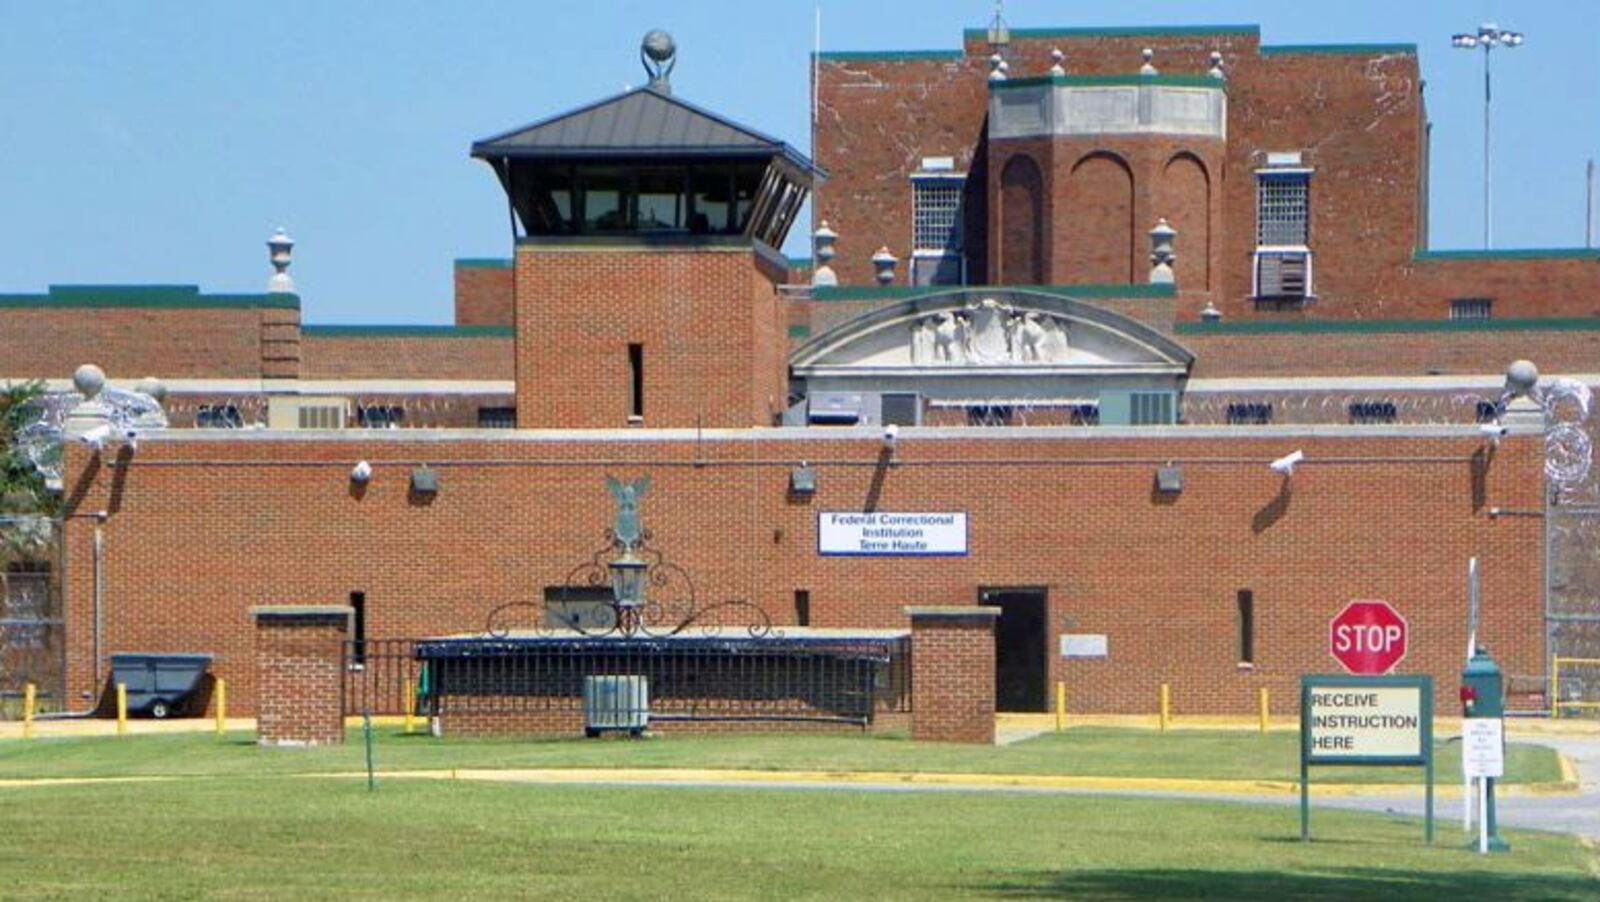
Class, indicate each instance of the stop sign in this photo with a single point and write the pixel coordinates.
(1368, 637)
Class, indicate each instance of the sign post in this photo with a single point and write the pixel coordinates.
(1483, 757)
(1373, 721)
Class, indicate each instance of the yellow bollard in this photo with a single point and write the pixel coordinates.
(29, 693)
(1264, 709)
(1555, 686)
(222, 705)
(1061, 706)
(122, 709)
(411, 708)
(1166, 706)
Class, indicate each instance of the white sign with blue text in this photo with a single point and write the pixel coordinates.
(889, 534)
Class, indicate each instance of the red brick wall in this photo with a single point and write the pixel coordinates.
(952, 676)
(132, 342)
(200, 531)
(299, 682)
(484, 295)
(709, 319)
(410, 357)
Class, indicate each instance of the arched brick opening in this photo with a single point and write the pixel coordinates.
(1021, 222)
(1100, 236)
(1186, 204)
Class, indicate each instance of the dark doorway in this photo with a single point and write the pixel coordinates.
(1021, 645)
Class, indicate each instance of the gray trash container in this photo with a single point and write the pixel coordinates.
(159, 685)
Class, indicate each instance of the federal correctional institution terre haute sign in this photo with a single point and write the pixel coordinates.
(889, 534)
(1374, 721)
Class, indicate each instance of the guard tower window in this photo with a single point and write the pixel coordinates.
(635, 382)
(1471, 308)
(1246, 601)
(937, 242)
(1283, 234)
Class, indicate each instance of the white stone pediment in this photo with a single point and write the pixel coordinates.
(990, 333)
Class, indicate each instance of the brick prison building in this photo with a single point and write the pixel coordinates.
(1074, 292)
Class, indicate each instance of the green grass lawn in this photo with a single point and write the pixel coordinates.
(252, 838)
(1086, 751)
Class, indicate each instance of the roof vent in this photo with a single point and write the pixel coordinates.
(659, 54)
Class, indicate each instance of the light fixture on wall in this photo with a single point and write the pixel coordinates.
(803, 480)
(424, 481)
(361, 473)
(1169, 479)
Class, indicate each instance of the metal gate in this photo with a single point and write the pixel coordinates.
(32, 642)
(1572, 542)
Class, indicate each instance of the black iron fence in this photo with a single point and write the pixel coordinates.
(622, 683)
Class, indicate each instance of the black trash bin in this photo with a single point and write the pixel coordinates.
(159, 685)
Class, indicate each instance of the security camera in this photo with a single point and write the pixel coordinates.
(890, 433)
(97, 437)
(1286, 464)
(130, 437)
(361, 472)
(1494, 431)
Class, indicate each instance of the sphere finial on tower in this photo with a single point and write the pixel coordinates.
(658, 53)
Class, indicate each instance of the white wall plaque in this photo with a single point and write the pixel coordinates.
(890, 534)
(1083, 645)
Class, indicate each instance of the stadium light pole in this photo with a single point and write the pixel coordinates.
(1488, 36)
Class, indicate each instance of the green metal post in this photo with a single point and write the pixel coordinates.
(1305, 757)
(366, 729)
(1427, 747)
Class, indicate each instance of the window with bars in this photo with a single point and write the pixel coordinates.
(1249, 413)
(1471, 308)
(1283, 209)
(936, 212)
(218, 416)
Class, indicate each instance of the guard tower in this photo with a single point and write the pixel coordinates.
(646, 269)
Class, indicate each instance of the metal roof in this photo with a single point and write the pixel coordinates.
(639, 123)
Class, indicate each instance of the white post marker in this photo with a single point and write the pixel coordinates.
(1483, 755)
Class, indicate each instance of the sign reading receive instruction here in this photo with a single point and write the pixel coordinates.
(1483, 747)
(1352, 720)
(889, 534)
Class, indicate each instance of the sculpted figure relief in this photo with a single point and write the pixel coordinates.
(988, 332)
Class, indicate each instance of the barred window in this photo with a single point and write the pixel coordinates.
(1250, 413)
(1471, 308)
(380, 416)
(1372, 412)
(1283, 209)
(936, 212)
(218, 416)
(497, 418)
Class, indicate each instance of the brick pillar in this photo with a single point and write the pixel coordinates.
(952, 673)
(299, 678)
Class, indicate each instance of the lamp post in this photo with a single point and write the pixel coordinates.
(1488, 36)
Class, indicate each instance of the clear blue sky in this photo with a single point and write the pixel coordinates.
(162, 141)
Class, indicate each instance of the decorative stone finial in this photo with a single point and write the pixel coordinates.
(280, 246)
(1216, 66)
(89, 380)
(153, 388)
(1162, 254)
(1210, 314)
(997, 68)
(1056, 56)
(822, 251)
(659, 54)
(1149, 67)
(1521, 377)
(883, 263)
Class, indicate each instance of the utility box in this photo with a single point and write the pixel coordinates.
(1483, 687)
(615, 703)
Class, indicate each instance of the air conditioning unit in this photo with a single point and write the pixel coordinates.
(864, 408)
(289, 412)
(615, 703)
(1283, 274)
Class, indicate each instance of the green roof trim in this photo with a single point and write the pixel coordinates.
(904, 292)
(886, 56)
(1393, 326)
(799, 262)
(1524, 253)
(800, 331)
(1338, 49)
(408, 331)
(1179, 81)
(1127, 31)
(483, 262)
(156, 297)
